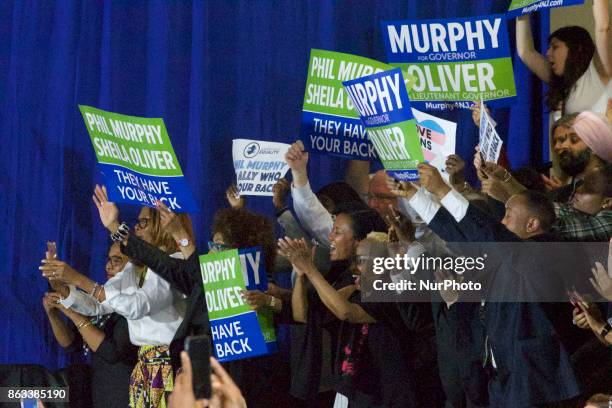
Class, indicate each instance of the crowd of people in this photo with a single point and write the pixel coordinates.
(344, 349)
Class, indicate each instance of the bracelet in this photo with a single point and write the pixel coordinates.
(507, 176)
(85, 325)
(121, 234)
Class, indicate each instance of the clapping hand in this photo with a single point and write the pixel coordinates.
(602, 280)
(298, 253)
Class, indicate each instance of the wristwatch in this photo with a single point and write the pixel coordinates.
(183, 242)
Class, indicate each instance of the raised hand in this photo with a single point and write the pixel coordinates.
(298, 253)
(475, 108)
(455, 167)
(59, 271)
(234, 198)
(297, 159)
(225, 392)
(602, 280)
(169, 220)
(182, 394)
(280, 191)
(432, 181)
(109, 214)
(400, 227)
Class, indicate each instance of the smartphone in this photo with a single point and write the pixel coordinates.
(198, 348)
(52, 249)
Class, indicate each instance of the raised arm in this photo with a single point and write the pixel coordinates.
(311, 213)
(526, 51)
(601, 14)
(61, 331)
(182, 274)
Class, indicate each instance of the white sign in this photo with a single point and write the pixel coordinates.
(438, 138)
(489, 141)
(258, 165)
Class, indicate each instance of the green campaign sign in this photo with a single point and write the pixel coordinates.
(330, 124)
(238, 332)
(136, 157)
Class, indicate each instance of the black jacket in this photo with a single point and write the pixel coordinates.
(533, 364)
(184, 276)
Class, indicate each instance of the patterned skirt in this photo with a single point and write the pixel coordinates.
(152, 379)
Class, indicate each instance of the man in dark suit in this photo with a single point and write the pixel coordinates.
(528, 363)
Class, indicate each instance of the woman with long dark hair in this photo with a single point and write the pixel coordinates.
(576, 68)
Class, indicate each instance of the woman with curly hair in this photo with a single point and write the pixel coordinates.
(576, 69)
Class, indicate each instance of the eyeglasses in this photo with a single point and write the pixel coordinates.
(115, 261)
(142, 223)
(217, 247)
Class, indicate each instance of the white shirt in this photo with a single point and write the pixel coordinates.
(589, 93)
(153, 312)
(318, 222)
(426, 207)
(311, 213)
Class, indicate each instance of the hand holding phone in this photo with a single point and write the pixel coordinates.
(51, 250)
(198, 348)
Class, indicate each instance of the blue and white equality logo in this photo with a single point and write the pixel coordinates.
(251, 150)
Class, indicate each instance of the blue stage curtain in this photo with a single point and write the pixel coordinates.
(214, 70)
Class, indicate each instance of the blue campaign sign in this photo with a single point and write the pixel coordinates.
(446, 40)
(336, 136)
(455, 59)
(238, 337)
(384, 108)
(252, 261)
(127, 186)
(380, 98)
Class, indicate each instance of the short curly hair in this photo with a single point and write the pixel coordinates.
(241, 228)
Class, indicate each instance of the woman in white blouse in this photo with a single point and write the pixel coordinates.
(153, 310)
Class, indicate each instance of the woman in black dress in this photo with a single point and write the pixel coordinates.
(107, 337)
